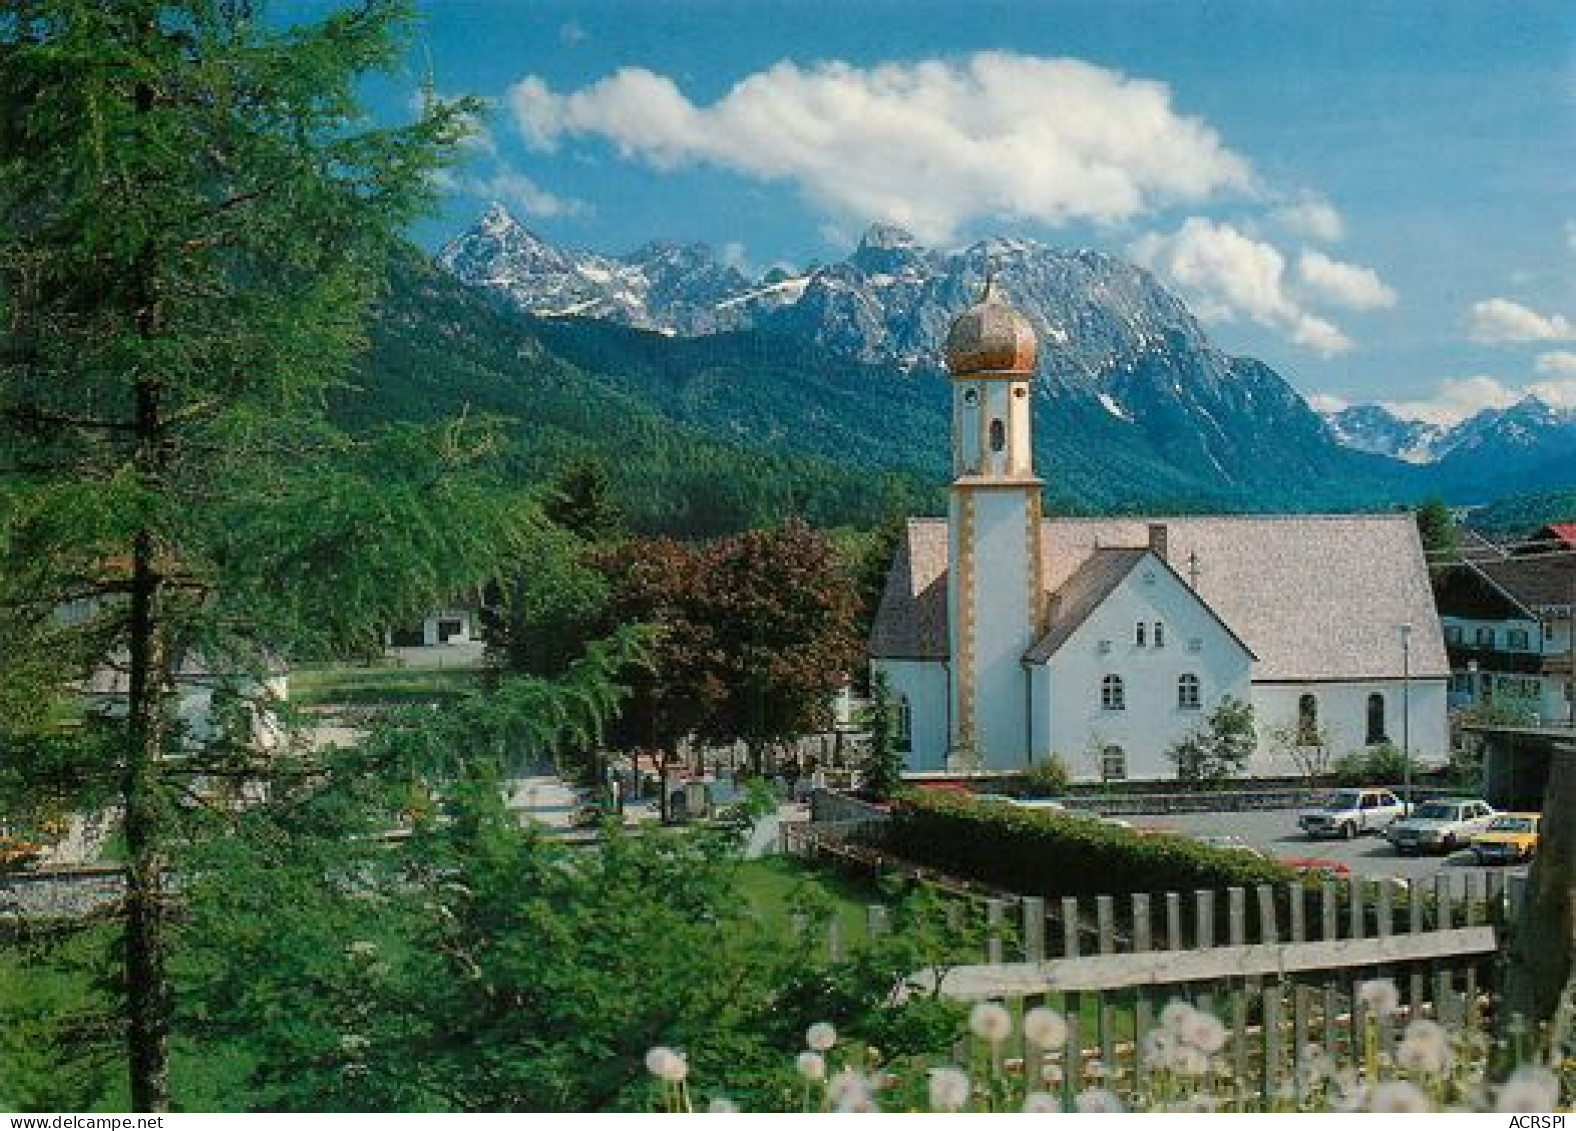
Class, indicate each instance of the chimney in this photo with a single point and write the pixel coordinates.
(1157, 539)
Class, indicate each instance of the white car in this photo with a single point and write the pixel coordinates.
(1352, 812)
(1442, 825)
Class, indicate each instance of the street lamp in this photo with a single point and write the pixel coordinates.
(1406, 714)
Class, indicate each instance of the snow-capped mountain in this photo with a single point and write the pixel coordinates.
(1128, 369)
(1374, 428)
(662, 286)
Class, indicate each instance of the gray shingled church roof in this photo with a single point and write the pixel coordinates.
(1315, 597)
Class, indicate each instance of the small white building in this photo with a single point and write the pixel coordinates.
(1007, 636)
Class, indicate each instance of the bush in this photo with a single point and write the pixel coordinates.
(1378, 765)
(1034, 852)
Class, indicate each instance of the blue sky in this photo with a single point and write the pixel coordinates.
(1376, 199)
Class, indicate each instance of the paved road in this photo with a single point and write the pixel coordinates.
(1275, 832)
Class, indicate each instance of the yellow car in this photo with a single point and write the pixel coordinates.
(1509, 838)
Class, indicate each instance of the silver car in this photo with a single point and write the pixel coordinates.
(1440, 826)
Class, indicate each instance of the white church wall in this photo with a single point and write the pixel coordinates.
(1002, 626)
(1342, 713)
(1193, 643)
(923, 685)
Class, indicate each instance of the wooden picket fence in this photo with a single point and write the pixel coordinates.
(1279, 964)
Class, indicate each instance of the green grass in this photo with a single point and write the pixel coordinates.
(778, 886)
(380, 684)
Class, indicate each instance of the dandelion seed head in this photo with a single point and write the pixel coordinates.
(1099, 1101)
(990, 1021)
(1204, 1031)
(949, 1089)
(1379, 995)
(820, 1037)
(1425, 1048)
(666, 1065)
(1045, 1027)
(1040, 1102)
(1530, 1088)
(811, 1065)
(1397, 1096)
(1174, 1016)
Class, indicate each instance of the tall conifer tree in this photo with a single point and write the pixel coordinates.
(194, 216)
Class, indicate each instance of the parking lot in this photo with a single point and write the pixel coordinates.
(1275, 832)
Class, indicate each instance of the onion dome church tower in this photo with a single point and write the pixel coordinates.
(994, 584)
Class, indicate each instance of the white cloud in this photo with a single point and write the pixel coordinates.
(1498, 320)
(512, 188)
(734, 255)
(930, 145)
(1456, 399)
(1560, 393)
(1226, 274)
(1327, 402)
(1558, 363)
(1312, 217)
(1346, 284)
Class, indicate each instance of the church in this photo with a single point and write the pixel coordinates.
(1008, 636)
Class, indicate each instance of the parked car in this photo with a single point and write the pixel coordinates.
(1441, 825)
(1509, 838)
(1352, 812)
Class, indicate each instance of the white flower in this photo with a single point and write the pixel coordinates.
(1037, 1103)
(1379, 996)
(362, 948)
(1190, 1061)
(722, 1105)
(1159, 1047)
(1530, 1088)
(1397, 1096)
(1204, 1031)
(990, 1022)
(1045, 1027)
(851, 1091)
(1425, 1048)
(820, 1037)
(949, 1089)
(1099, 1101)
(1174, 1016)
(665, 1064)
(811, 1065)
(1095, 1068)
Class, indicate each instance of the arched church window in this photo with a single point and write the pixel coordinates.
(904, 739)
(1308, 720)
(1140, 634)
(998, 435)
(1376, 727)
(1113, 764)
(1113, 695)
(1188, 696)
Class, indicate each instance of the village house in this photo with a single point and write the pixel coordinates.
(1008, 636)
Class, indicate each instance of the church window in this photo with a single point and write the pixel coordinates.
(1188, 697)
(1113, 695)
(998, 435)
(1160, 635)
(971, 396)
(1020, 392)
(1139, 631)
(1113, 764)
(1376, 727)
(1308, 721)
(904, 739)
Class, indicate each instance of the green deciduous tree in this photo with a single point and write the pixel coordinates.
(1219, 748)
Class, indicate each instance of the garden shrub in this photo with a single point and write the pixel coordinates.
(1035, 852)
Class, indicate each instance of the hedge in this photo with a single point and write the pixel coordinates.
(1036, 852)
